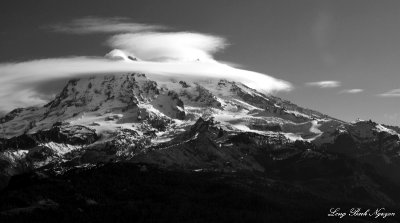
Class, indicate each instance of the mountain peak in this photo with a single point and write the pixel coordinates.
(117, 54)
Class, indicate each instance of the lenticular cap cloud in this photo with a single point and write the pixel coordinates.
(158, 46)
(179, 55)
(27, 76)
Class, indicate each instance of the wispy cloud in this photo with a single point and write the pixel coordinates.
(352, 91)
(391, 93)
(90, 25)
(158, 46)
(325, 84)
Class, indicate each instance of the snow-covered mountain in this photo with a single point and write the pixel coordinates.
(205, 125)
(106, 138)
(128, 101)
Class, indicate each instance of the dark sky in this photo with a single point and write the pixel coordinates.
(355, 42)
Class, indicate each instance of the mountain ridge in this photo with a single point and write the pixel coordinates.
(198, 126)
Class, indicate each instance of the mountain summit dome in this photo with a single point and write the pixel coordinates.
(117, 54)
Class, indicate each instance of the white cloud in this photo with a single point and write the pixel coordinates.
(156, 46)
(391, 93)
(146, 41)
(325, 84)
(21, 80)
(90, 25)
(352, 91)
